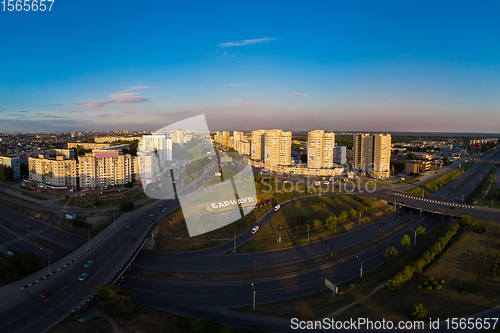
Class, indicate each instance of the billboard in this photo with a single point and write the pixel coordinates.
(70, 216)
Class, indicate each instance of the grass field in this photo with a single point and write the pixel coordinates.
(468, 259)
(486, 191)
(44, 215)
(20, 199)
(436, 183)
(291, 222)
(90, 201)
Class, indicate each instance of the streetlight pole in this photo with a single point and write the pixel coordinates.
(114, 219)
(383, 227)
(253, 288)
(308, 232)
(361, 268)
(415, 231)
(234, 249)
(48, 257)
(89, 237)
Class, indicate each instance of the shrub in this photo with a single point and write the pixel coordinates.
(391, 253)
(442, 281)
(406, 242)
(480, 228)
(421, 233)
(438, 287)
(343, 215)
(352, 213)
(425, 283)
(465, 220)
(419, 287)
(369, 206)
(419, 312)
(429, 287)
(431, 279)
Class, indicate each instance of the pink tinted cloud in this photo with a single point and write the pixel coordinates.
(298, 95)
(124, 98)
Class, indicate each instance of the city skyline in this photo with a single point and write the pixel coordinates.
(337, 67)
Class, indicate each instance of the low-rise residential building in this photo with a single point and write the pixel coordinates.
(415, 167)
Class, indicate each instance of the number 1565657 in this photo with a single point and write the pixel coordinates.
(27, 5)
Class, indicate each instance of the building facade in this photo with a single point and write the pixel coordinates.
(14, 162)
(55, 173)
(278, 148)
(258, 143)
(101, 169)
(340, 155)
(372, 154)
(320, 149)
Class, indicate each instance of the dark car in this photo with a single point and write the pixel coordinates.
(129, 226)
(133, 239)
(46, 293)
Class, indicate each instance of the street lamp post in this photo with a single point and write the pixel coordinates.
(89, 237)
(308, 232)
(253, 288)
(234, 248)
(383, 227)
(361, 268)
(415, 231)
(48, 257)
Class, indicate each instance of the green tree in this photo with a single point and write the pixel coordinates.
(419, 311)
(446, 160)
(331, 223)
(343, 215)
(352, 212)
(421, 233)
(127, 206)
(129, 185)
(406, 242)
(115, 301)
(391, 253)
(465, 220)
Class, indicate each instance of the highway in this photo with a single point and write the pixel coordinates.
(68, 292)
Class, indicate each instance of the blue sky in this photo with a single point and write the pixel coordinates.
(350, 65)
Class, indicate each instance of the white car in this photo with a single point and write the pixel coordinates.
(276, 208)
(255, 229)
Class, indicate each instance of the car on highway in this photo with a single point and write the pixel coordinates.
(160, 205)
(10, 253)
(276, 208)
(164, 209)
(27, 226)
(255, 229)
(133, 239)
(151, 215)
(83, 276)
(46, 293)
(88, 264)
(128, 226)
(151, 219)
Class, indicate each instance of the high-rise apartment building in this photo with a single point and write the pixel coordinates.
(320, 149)
(339, 155)
(225, 138)
(53, 172)
(372, 154)
(278, 148)
(258, 141)
(157, 143)
(104, 168)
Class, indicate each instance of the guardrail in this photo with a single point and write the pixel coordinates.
(117, 275)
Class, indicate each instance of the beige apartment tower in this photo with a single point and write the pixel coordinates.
(56, 172)
(258, 138)
(372, 154)
(278, 148)
(103, 168)
(320, 149)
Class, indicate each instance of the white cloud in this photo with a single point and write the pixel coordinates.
(125, 98)
(248, 42)
(135, 88)
(298, 94)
